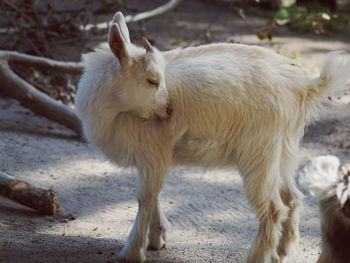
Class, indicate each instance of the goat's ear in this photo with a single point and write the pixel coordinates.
(118, 45)
(119, 19)
(147, 45)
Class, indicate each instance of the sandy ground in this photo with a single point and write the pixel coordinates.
(211, 219)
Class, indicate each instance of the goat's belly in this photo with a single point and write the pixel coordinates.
(203, 152)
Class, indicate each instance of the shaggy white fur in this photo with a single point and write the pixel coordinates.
(321, 176)
(325, 179)
(232, 105)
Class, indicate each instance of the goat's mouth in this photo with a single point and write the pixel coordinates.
(164, 112)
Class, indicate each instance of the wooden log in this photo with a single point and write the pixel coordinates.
(42, 200)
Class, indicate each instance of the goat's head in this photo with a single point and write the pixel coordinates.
(141, 82)
(122, 77)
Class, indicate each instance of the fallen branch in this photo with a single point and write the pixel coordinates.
(41, 200)
(14, 86)
(138, 17)
(41, 62)
(152, 13)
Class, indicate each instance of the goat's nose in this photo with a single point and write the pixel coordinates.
(163, 112)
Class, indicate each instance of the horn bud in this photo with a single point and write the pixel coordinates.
(147, 45)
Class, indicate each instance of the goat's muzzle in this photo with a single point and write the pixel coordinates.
(164, 112)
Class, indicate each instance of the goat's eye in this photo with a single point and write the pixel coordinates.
(153, 82)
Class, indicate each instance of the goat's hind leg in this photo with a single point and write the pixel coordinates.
(262, 188)
(291, 198)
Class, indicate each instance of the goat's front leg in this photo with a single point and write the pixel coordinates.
(157, 229)
(150, 184)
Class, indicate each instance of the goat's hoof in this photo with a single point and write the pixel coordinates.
(157, 245)
(157, 241)
(276, 260)
(131, 255)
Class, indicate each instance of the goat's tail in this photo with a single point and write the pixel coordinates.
(334, 76)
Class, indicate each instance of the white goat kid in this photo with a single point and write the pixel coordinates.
(232, 105)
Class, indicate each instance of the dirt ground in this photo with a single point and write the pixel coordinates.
(211, 219)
